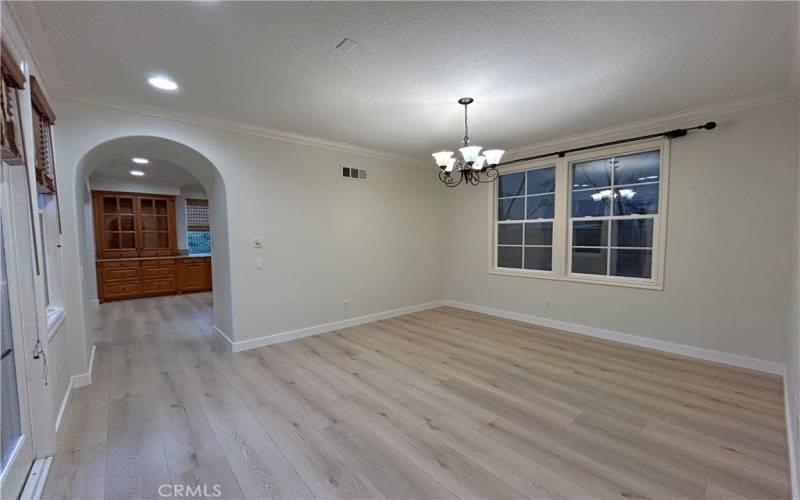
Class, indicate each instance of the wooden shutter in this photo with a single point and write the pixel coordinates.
(197, 215)
(12, 80)
(43, 119)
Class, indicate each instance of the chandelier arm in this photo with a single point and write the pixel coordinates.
(491, 176)
(449, 180)
(455, 184)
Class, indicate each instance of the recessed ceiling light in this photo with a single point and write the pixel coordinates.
(137, 173)
(140, 161)
(163, 83)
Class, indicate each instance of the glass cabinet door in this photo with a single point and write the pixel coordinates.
(134, 225)
(118, 218)
(156, 222)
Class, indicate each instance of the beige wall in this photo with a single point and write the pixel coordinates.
(326, 240)
(792, 376)
(730, 239)
(792, 379)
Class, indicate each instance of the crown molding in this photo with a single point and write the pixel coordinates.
(35, 43)
(654, 124)
(243, 128)
(649, 125)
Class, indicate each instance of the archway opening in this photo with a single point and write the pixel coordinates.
(173, 170)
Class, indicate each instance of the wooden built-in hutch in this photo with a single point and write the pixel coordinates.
(136, 247)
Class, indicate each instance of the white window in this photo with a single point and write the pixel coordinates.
(48, 215)
(596, 217)
(525, 214)
(50, 257)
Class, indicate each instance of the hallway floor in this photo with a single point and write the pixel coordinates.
(438, 404)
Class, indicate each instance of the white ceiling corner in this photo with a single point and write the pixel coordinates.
(26, 16)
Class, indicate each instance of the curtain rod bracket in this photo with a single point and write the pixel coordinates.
(678, 132)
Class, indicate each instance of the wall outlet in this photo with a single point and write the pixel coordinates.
(259, 264)
(346, 305)
(548, 304)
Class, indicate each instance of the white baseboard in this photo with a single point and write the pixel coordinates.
(85, 379)
(75, 382)
(275, 338)
(792, 437)
(659, 345)
(64, 403)
(228, 340)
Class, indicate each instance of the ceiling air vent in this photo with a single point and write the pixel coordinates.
(354, 173)
(346, 45)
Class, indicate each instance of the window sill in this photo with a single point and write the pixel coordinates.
(545, 275)
(55, 317)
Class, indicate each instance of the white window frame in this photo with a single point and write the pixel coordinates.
(538, 272)
(562, 223)
(50, 249)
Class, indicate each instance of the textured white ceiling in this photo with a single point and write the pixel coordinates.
(158, 171)
(538, 71)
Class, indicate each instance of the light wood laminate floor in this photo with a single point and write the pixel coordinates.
(439, 404)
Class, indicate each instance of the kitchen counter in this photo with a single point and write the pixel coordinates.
(194, 256)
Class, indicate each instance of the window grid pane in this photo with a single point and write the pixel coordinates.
(524, 226)
(619, 215)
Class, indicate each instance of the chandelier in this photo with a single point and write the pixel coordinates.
(474, 167)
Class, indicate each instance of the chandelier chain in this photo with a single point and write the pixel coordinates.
(466, 126)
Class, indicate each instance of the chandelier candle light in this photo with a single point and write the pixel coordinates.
(474, 167)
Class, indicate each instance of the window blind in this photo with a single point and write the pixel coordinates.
(43, 119)
(197, 215)
(12, 79)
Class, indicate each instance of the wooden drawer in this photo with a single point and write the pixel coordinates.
(150, 270)
(120, 263)
(122, 290)
(120, 274)
(163, 285)
(194, 260)
(116, 254)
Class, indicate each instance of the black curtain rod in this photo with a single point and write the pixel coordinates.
(669, 134)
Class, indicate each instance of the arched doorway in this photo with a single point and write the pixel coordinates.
(164, 154)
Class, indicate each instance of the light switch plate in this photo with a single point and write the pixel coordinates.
(257, 242)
